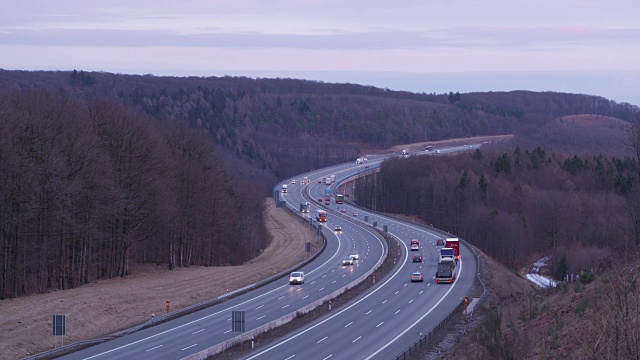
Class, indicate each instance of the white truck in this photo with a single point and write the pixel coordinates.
(446, 255)
(284, 188)
(333, 178)
(361, 160)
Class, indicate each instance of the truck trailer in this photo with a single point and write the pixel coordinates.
(327, 194)
(453, 243)
(304, 207)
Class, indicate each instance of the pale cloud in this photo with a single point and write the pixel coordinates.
(204, 37)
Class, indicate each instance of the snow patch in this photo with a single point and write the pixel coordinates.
(538, 279)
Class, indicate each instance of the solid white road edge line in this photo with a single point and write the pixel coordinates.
(400, 268)
(417, 321)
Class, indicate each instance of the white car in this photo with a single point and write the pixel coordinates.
(354, 256)
(347, 261)
(296, 277)
(293, 181)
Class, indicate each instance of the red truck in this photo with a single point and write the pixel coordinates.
(453, 243)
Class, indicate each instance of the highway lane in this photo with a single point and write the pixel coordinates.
(194, 332)
(386, 321)
(197, 331)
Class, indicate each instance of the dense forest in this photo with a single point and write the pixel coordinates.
(97, 169)
(87, 186)
(269, 129)
(517, 203)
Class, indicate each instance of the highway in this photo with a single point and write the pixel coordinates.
(384, 322)
(192, 333)
(378, 325)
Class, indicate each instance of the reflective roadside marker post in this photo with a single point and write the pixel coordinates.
(466, 304)
(59, 328)
(168, 306)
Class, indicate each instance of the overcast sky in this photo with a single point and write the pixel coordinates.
(582, 46)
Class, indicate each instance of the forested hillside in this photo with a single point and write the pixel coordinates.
(98, 169)
(274, 128)
(517, 203)
(87, 186)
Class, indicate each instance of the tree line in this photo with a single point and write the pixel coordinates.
(516, 203)
(270, 129)
(86, 187)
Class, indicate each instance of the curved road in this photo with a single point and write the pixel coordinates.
(384, 322)
(378, 325)
(192, 333)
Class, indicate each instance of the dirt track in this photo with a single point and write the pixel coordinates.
(106, 306)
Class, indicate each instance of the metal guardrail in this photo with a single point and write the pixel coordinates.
(218, 348)
(485, 290)
(425, 339)
(181, 312)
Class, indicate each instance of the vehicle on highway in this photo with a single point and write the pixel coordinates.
(327, 193)
(437, 151)
(337, 228)
(453, 243)
(284, 188)
(327, 202)
(348, 261)
(319, 181)
(446, 272)
(293, 181)
(354, 256)
(440, 242)
(304, 207)
(321, 216)
(415, 241)
(428, 148)
(417, 277)
(417, 258)
(355, 213)
(366, 167)
(296, 277)
(344, 210)
(319, 199)
(415, 247)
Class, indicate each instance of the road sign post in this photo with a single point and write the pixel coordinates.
(59, 328)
